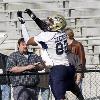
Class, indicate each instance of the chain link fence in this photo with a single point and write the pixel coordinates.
(90, 86)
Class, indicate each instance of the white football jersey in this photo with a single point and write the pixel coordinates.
(56, 42)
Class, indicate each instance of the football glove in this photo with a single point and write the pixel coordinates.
(30, 13)
(20, 18)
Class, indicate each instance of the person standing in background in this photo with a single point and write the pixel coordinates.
(76, 48)
(22, 61)
(4, 83)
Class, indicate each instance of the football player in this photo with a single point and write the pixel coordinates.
(53, 44)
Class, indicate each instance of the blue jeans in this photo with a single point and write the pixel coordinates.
(45, 93)
(6, 91)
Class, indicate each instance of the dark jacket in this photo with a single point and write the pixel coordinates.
(3, 60)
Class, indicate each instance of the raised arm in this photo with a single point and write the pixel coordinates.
(28, 40)
(42, 24)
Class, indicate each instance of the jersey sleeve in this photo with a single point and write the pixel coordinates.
(41, 24)
(25, 33)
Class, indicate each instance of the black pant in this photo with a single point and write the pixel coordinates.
(61, 80)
